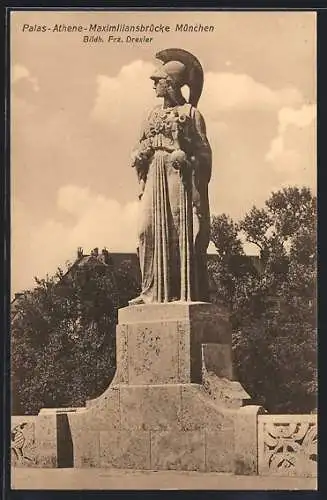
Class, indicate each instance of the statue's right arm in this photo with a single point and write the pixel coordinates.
(142, 152)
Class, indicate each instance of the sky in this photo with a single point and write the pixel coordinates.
(77, 110)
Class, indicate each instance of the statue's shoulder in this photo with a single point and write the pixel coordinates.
(190, 110)
(185, 109)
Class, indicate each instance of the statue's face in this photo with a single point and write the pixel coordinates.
(161, 87)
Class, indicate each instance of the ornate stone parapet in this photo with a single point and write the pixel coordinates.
(22, 443)
(287, 445)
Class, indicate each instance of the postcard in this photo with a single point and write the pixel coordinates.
(163, 250)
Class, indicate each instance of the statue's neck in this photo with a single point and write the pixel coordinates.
(174, 99)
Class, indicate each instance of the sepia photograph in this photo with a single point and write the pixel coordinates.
(163, 302)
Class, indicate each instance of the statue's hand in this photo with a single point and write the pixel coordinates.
(178, 159)
(142, 187)
(134, 158)
(141, 159)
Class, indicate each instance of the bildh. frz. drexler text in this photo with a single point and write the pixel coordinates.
(119, 28)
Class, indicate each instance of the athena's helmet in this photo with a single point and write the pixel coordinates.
(182, 68)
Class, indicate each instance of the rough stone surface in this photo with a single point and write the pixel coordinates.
(178, 450)
(184, 351)
(86, 448)
(125, 449)
(200, 412)
(173, 311)
(161, 343)
(122, 354)
(102, 414)
(159, 412)
(227, 393)
(46, 439)
(219, 450)
(105, 415)
(150, 407)
(217, 358)
(118, 479)
(246, 440)
(153, 353)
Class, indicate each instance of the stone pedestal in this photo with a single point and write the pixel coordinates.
(172, 403)
(161, 343)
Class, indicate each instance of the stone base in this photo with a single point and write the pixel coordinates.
(172, 403)
(171, 426)
(161, 343)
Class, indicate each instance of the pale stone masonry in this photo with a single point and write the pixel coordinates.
(165, 409)
(157, 414)
(172, 405)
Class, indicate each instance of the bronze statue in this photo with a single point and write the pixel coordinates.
(173, 165)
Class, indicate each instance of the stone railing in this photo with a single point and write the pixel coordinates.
(23, 447)
(268, 445)
(287, 445)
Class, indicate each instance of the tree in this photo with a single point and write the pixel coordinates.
(224, 235)
(63, 336)
(273, 311)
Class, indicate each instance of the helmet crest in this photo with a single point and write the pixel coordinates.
(184, 68)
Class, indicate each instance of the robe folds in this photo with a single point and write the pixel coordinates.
(174, 164)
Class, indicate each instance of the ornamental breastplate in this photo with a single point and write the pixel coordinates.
(169, 128)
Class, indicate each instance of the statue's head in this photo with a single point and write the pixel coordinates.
(179, 68)
(168, 78)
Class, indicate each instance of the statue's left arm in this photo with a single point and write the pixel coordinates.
(201, 148)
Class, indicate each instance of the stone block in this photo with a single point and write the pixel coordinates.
(46, 439)
(121, 376)
(154, 407)
(212, 325)
(246, 440)
(104, 414)
(178, 450)
(153, 353)
(46, 427)
(161, 343)
(211, 314)
(217, 358)
(199, 411)
(86, 448)
(47, 459)
(125, 449)
(184, 351)
(173, 311)
(220, 450)
(227, 393)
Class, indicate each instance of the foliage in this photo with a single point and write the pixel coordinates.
(63, 336)
(273, 305)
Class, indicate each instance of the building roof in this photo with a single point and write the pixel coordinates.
(245, 263)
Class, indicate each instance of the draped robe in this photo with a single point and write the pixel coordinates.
(174, 165)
